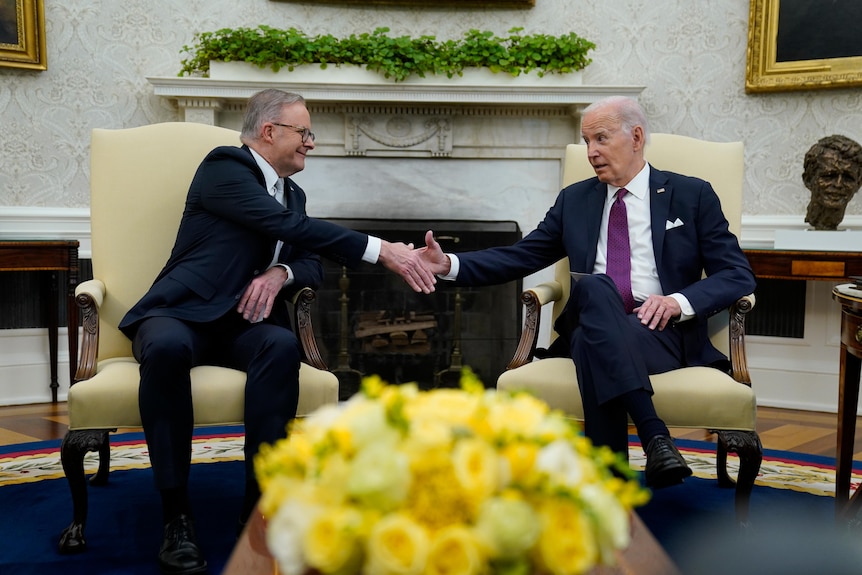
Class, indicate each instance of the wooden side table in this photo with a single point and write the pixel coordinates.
(804, 265)
(848, 396)
(51, 256)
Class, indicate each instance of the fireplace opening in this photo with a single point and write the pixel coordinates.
(369, 322)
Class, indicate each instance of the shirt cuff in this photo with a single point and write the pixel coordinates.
(454, 268)
(290, 278)
(372, 250)
(685, 306)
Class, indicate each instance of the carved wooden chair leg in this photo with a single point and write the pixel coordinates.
(75, 446)
(746, 444)
(101, 476)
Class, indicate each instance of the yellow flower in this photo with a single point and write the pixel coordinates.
(477, 468)
(331, 543)
(455, 551)
(520, 458)
(450, 406)
(397, 481)
(397, 545)
(567, 545)
(519, 417)
(436, 498)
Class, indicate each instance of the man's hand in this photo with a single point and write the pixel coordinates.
(257, 301)
(406, 262)
(432, 254)
(657, 311)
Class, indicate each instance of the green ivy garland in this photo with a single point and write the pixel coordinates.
(396, 58)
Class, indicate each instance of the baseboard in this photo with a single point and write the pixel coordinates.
(25, 372)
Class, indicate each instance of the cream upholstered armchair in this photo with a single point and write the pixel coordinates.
(691, 397)
(139, 180)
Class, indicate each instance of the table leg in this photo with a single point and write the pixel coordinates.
(848, 399)
(53, 323)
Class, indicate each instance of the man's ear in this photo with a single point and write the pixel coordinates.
(638, 138)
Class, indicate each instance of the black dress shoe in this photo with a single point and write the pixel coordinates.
(180, 554)
(664, 465)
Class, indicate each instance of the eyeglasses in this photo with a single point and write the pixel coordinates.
(306, 133)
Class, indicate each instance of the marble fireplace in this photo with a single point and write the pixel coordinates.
(438, 153)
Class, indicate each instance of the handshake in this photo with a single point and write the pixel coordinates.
(418, 267)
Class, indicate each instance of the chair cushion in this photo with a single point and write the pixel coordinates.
(109, 400)
(699, 397)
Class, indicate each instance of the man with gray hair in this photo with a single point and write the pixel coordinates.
(642, 302)
(245, 245)
(832, 170)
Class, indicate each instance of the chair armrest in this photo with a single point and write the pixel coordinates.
(738, 358)
(89, 296)
(533, 300)
(304, 328)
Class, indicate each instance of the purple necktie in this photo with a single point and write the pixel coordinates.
(619, 252)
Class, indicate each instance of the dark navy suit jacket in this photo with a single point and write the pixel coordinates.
(227, 236)
(703, 244)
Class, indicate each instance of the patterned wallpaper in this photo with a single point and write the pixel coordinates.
(689, 55)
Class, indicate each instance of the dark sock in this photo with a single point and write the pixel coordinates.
(638, 403)
(175, 502)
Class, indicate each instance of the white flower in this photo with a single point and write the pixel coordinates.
(562, 463)
(379, 477)
(612, 519)
(509, 527)
(284, 535)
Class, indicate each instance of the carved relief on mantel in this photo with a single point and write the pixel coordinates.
(410, 120)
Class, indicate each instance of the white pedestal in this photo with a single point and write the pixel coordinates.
(819, 240)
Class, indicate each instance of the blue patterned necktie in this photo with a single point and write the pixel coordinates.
(619, 254)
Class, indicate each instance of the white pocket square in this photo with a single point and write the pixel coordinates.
(669, 225)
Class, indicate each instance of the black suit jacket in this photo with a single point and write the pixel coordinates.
(695, 252)
(227, 236)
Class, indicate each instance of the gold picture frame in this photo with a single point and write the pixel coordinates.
(22, 34)
(430, 3)
(796, 61)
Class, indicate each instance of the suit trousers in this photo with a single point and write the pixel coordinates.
(614, 354)
(167, 349)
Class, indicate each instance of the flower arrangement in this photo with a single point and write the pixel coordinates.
(398, 481)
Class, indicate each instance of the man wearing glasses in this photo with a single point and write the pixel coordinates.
(244, 244)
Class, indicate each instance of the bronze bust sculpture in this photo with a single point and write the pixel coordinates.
(833, 172)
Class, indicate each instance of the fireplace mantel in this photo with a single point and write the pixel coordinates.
(201, 99)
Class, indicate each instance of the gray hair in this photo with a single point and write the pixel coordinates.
(265, 106)
(628, 110)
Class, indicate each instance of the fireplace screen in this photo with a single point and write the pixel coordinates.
(369, 322)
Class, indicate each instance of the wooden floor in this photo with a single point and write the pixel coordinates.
(786, 430)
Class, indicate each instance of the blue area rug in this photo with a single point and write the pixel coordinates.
(123, 529)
